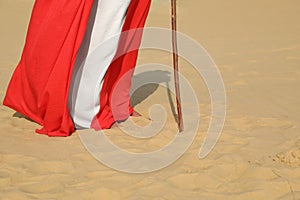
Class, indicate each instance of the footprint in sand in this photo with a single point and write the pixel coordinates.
(290, 158)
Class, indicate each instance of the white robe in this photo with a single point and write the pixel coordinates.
(106, 20)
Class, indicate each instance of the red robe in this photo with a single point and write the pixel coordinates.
(39, 86)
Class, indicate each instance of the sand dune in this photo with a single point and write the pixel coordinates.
(256, 46)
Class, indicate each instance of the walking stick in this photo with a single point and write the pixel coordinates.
(175, 63)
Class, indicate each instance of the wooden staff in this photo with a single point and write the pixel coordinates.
(175, 63)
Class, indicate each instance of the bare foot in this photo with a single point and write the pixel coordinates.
(114, 125)
(135, 114)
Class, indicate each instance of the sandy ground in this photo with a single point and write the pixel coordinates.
(256, 46)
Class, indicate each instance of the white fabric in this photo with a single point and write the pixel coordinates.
(93, 59)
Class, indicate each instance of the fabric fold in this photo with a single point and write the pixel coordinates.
(40, 84)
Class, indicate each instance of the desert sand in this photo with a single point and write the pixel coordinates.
(255, 45)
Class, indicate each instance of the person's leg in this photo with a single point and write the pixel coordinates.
(115, 93)
(106, 20)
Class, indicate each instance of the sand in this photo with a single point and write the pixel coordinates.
(256, 47)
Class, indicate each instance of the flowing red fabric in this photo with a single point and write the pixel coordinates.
(39, 86)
